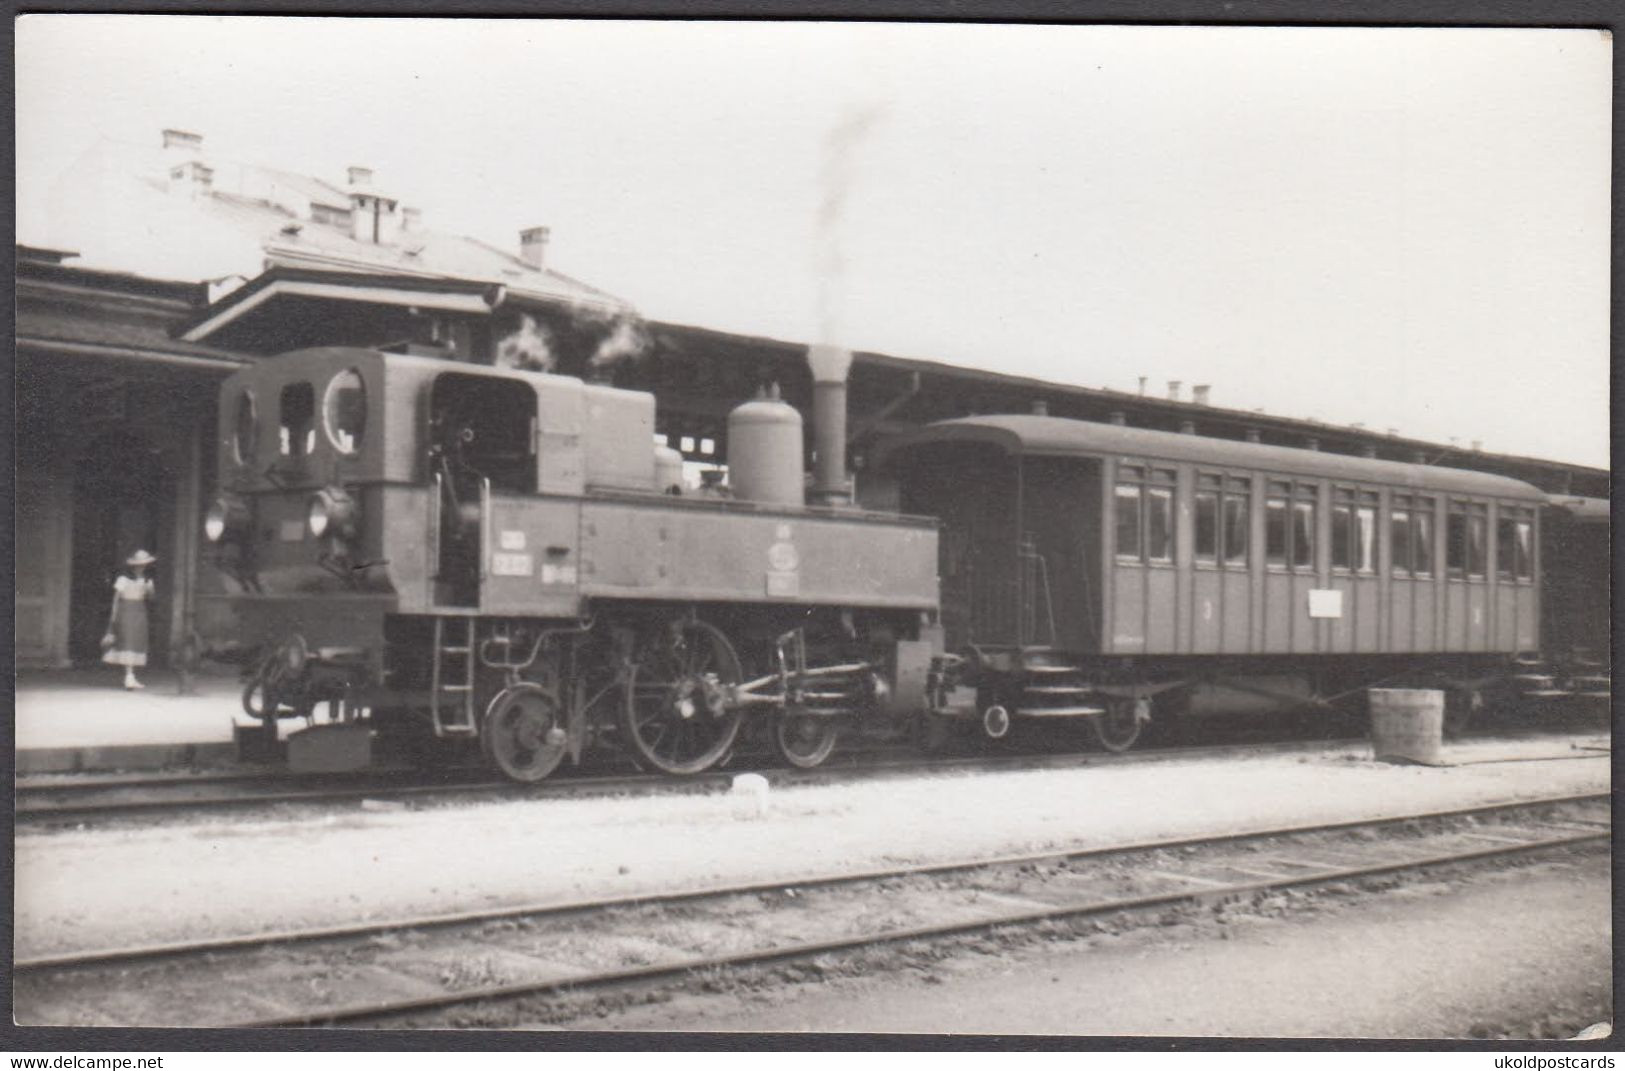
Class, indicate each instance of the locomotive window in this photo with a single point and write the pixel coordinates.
(1514, 545)
(344, 411)
(1237, 527)
(1159, 524)
(246, 429)
(1275, 530)
(1128, 522)
(297, 413)
(1207, 526)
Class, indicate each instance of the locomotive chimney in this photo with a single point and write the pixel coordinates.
(830, 365)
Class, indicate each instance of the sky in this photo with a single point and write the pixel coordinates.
(1402, 228)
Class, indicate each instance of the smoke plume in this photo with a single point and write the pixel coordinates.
(841, 147)
(528, 348)
(627, 339)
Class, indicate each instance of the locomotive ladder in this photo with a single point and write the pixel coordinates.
(451, 701)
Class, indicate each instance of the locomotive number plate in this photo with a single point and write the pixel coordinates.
(512, 565)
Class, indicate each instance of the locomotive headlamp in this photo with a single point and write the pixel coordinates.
(227, 519)
(332, 510)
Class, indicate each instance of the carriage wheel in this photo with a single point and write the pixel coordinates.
(676, 713)
(1119, 727)
(804, 740)
(523, 736)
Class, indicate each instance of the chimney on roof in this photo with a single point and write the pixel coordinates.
(1199, 393)
(1142, 385)
(1173, 390)
(533, 246)
(1477, 445)
(183, 141)
(375, 218)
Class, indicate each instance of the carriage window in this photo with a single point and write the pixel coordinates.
(344, 411)
(1343, 529)
(1399, 535)
(1237, 526)
(1128, 522)
(246, 429)
(1303, 534)
(1455, 541)
(1477, 539)
(1275, 531)
(1159, 524)
(297, 413)
(1422, 538)
(1465, 535)
(1514, 543)
(1145, 514)
(1207, 526)
(1365, 532)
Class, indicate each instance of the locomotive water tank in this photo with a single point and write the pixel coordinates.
(764, 451)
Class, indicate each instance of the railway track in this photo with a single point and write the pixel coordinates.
(477, 967)
(116, 798)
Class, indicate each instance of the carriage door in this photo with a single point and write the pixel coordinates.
(482, 443)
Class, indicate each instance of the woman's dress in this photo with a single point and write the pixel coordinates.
(129, 622)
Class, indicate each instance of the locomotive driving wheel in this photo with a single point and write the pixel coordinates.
(677, 715)
(1119, 727)
(805, 740)
(524, 735)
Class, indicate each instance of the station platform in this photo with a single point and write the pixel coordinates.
(83, 719)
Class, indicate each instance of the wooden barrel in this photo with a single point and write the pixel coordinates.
(1407, 724)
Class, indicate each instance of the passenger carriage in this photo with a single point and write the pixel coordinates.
(1098, 571)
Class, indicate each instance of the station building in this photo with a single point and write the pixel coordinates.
(158, 270)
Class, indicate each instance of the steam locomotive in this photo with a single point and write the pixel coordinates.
(449, 556)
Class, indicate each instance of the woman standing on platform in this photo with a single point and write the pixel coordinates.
(126, 641)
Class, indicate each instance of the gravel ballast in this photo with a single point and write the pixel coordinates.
(78, 889)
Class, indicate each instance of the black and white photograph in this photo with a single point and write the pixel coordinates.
(669, 530)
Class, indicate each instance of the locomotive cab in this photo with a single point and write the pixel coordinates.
(481, 441)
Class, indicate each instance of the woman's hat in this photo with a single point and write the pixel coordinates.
(140, 557)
